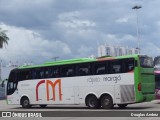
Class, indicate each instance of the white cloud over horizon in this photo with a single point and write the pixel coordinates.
(27, 45)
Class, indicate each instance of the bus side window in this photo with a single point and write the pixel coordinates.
(25, 75)
(129, 65)
(42, 73)
(37, 73)
(67, 71)
(46, 72)
(33, 75)
(84, 70)
(116, 66)
(56, 72)
(53, 72)
(99, 68)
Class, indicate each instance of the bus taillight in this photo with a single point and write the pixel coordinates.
(139, 87)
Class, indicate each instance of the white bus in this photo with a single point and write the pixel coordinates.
(102, 82)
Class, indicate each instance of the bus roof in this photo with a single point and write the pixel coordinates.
(80, 60)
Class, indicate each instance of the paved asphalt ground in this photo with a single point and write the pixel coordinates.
(61, 111)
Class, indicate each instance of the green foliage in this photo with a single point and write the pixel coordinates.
(3, 38)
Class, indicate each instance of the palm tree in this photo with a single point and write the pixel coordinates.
(3, 38)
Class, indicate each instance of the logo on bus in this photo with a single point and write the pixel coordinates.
(53, 85)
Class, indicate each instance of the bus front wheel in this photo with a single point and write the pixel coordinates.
(25, 102)
(107, 102)
(92, 102)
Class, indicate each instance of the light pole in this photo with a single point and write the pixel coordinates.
(136, 7)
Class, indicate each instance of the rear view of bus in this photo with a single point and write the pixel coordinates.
(145, 86)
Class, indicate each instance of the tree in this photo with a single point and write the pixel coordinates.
(3, 38)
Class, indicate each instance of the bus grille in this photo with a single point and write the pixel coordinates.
(127, 93)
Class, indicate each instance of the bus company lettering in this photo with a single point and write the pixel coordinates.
(52, 84)
(93, 80)
(104, 79)
(114, 78)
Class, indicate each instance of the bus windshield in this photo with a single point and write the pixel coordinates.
(146, 62)
(12, 83)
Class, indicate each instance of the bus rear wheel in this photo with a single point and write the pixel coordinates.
(122, 106)
(92, 102)
(107, 102)
(25, 102)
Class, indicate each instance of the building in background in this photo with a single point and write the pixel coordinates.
(108, 50)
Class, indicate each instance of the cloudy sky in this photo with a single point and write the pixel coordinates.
(42, 29)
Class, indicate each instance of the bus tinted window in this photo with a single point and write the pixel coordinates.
(67, 71)
(51, 72)
(100, 68)
(146, 62)
(46, 72)
(116, 66)
(83, 70)
(38, 73)
(129, 65)
(24, 75)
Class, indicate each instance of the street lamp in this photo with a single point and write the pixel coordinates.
(136, 7)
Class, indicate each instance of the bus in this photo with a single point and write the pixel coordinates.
(96, 83)
(157, 76)
(157, 81)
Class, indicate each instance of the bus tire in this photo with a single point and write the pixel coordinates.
(107, 102)
(122, 106)
(25, 102)
(92, 102)
(43, 106)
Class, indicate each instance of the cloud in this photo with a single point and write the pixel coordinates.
(28, 45)
(124, 19)
(74, 20)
